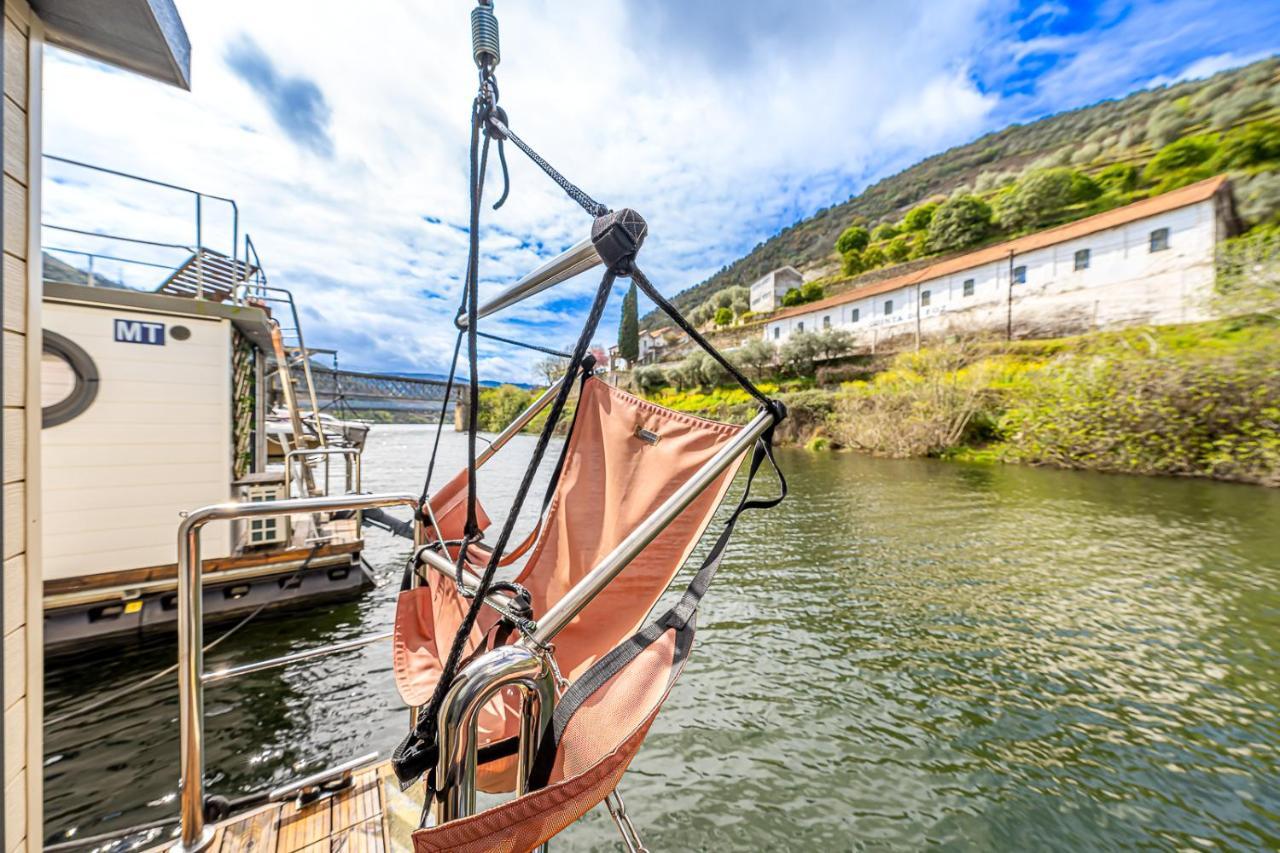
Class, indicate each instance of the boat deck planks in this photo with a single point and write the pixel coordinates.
(351, 821)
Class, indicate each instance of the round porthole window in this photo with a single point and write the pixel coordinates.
(68, 379)
(179, 333)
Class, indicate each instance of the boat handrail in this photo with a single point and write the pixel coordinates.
(195, 835)
(351, 456)
(199, 197)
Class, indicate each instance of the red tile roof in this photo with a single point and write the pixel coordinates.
(1163, 203)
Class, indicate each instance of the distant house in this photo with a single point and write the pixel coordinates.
(653, 345)
(1147, 262)
(767, 292)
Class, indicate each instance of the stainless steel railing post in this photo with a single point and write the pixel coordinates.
(196, 835)
(473, 687)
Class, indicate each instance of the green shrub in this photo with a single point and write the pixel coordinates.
(811, 291)
(1253, 144)
(649, 378)
(852, 239)
(884, 231)
(851, 263)
(724, 316)
(499, 406)
(792, 297)
(711, 371)
(873, 257)
(1119, 178)
(1161, 414)
(1181, 155)
(959, 222)
(1042, 197)
(687, 373)
(1258, 197)
(1230, 109)
(924, 405)
(898, 249)
(918, 218)
(1168, 122)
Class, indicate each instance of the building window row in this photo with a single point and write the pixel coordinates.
(1158, 242)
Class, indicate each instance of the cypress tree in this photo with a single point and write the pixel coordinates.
(629, 328)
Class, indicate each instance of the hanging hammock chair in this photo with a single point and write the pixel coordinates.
(626, 465)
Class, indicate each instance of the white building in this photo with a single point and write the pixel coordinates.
(1148, 262)
(767, 292)
(653, 344)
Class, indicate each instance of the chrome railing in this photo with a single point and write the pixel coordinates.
(199, 197)
(351, 475)
(578, 258)
(192, 677)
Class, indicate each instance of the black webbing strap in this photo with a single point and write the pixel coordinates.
(679, 618)
(417, 753)
(685, 326)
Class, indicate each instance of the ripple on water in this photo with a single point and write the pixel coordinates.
(905, 654)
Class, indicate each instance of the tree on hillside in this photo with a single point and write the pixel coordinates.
(756, 357)
(724, 316)
(629, 328)
(552, 367)
(800, 353)
(852, 239)
(918, 218)
(1255, 143)
(1042, 197)
(898, 249)
(1119, 177)
(1183, 154)
(850, 262)
(884, 231)
(833, 342)
(649, 378)
(959, 222)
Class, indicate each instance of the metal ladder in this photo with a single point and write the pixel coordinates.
(291, 347)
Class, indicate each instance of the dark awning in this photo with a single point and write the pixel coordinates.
(145, 36)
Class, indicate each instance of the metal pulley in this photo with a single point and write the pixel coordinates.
(484, 35)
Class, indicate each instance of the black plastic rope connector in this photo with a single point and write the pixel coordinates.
(618, 236)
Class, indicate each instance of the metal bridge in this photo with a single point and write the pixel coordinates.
(347, 390)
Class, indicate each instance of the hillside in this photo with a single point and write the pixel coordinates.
(1125, 131)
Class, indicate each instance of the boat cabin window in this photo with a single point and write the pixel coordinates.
(68, 380)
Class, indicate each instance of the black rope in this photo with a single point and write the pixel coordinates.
(418, 751)
(676, 317)
(574, 192)
(444, 408)
(516, 343)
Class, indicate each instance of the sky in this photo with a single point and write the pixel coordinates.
(343, 138)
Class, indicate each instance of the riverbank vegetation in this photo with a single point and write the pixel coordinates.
(1195, 400)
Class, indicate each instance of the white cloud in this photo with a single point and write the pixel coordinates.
(949, 109)
(719, 127)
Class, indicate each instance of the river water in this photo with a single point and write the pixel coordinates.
(905, 654)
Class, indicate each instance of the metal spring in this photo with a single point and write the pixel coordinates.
(484, 36)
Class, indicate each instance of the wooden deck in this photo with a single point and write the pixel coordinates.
(370, 816)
